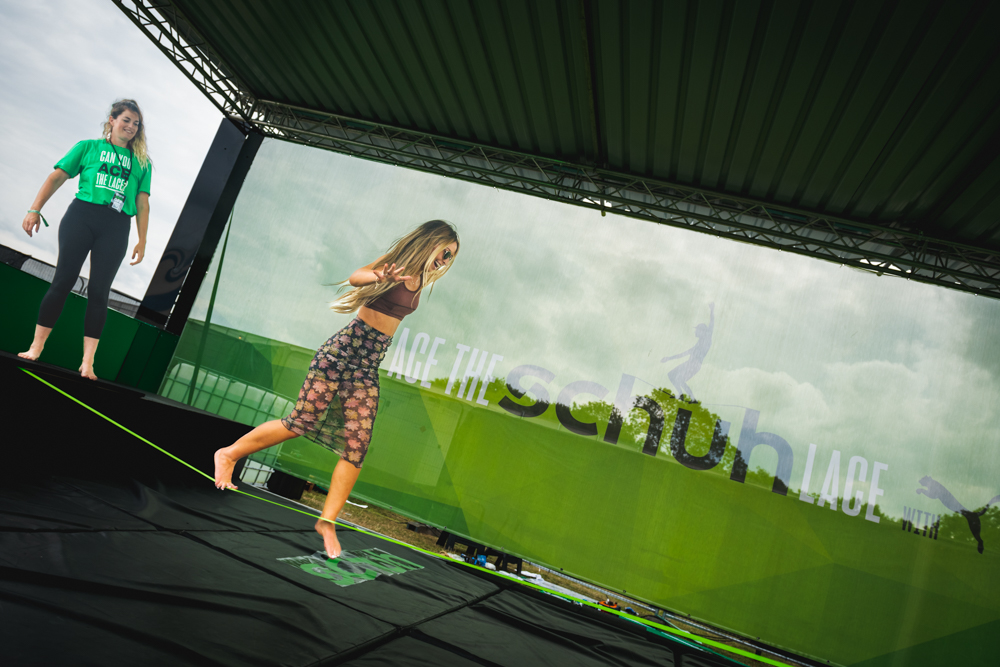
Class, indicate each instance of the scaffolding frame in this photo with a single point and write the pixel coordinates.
(888, 249)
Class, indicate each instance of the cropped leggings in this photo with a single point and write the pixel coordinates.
(102, 232)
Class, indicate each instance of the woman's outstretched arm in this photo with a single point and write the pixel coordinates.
(49, 187)
(368, 274)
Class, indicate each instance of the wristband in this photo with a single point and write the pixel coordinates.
(31, 210)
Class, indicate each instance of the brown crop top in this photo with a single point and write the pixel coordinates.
(396, 302)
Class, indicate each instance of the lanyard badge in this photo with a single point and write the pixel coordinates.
(118, 202)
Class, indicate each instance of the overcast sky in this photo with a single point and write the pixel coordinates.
(64, 63)
(898, 372)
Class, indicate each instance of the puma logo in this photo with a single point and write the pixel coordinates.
(936, 491)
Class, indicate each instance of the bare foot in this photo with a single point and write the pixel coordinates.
(330, 541)
(87, 371)
(224, 471)
(32, 353)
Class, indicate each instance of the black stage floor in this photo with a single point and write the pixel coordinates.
(114, 554)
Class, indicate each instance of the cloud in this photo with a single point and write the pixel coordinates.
(59, 82)
(934, 416)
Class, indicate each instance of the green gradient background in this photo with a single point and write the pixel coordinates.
(894, 372)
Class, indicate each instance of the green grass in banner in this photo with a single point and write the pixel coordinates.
(696, 542)
(975, 646)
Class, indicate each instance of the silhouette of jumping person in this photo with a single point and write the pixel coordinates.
(681, 374)
(936, 491)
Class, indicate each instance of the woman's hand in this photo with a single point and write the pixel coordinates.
(51, 184)
(390, 273)
(31, 220)
(140, 250)
(141, 225)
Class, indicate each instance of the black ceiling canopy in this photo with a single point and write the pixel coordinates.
(866, 133)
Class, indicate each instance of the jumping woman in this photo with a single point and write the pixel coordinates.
(339, 398)
(114, 185)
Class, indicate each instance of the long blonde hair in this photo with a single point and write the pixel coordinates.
(416, 249)
(138, 143)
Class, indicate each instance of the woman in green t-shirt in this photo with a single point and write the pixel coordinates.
(114, 176)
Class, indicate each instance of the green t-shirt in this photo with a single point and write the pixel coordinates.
(104, 170)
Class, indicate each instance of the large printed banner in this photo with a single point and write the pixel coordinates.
(792, 449)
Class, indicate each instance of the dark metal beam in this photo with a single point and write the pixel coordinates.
(192, 243)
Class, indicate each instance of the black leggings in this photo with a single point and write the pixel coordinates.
(102, 232)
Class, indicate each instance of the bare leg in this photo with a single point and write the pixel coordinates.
(89, 350)
(344, 477)
(264, 436)
(679, 377)
(41, 335)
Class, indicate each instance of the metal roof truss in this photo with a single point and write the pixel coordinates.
(880, 249)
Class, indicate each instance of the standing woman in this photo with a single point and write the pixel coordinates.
(338, 401)
(114, 185)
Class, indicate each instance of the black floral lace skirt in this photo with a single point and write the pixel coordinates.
(339, 398)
